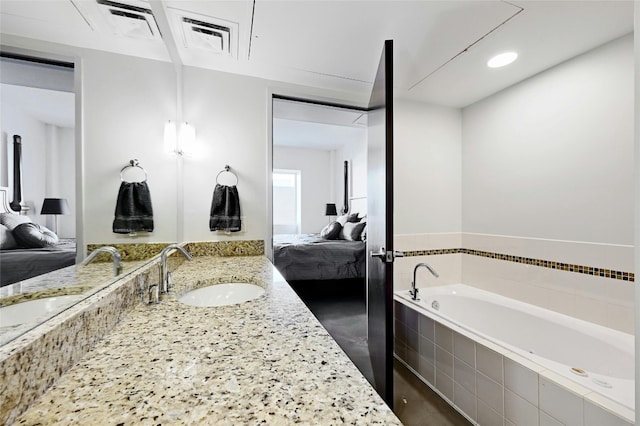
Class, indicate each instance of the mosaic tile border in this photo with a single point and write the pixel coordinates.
(581, 269)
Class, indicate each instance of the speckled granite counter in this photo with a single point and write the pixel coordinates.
(265, 361)
(71, 280)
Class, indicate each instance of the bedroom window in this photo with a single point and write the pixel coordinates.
(286, 201)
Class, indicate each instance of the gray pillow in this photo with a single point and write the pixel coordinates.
(11, 220)
(331, 231)
(32, 235)
(352, 231)
(6, 239)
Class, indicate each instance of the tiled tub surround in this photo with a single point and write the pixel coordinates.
(265, 360)
(492, 385)
(599, 299)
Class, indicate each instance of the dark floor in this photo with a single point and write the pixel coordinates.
(340, 307)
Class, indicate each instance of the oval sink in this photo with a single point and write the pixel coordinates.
(29, 311)
(222, 294)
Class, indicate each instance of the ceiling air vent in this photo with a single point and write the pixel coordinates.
(129, 19)
(203, 32)
(205, 35)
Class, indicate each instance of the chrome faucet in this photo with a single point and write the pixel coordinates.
(117, 259)
(165, 275)
(414, 291)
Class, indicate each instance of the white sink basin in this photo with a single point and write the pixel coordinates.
(222, 294)
(25, 312)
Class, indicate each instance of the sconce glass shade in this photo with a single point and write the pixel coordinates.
(179, 139)
(170, 137)
(186, 138)
(330, 210)
(55, 206)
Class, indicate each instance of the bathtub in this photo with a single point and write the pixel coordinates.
(599, 359)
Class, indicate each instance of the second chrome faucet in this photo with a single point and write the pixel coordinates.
(164, 275)
(414, 291)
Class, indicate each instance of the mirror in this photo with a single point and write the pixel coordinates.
(41, 106)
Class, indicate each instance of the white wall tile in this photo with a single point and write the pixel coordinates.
(596, 416)
(487, 416)
(620, 318)
(490, 392)
(489, 363)
(465, 400)
(518, 411)
(464, 349)
(560, 403)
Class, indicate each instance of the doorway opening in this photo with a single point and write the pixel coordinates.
(319, 215)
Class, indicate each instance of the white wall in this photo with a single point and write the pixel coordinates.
(355, 152)
(15, 121)
(548, 174)
(427, 175)
(66, 180)
(126, 102)
(315, 168)
(552, 157)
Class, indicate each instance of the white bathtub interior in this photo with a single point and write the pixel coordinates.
(599, 360)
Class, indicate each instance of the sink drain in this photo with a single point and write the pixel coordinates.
(579, 371)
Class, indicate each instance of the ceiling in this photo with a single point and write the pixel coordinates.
(441, 47)
(48, 106)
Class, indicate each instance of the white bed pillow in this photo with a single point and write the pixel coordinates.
(11, 220)
(352, 231)
(349, 217)
(7, 241)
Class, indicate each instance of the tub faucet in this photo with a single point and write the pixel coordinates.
(414, 291)
(117, 265)
(165, 276)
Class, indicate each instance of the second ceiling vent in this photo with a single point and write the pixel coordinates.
(207, 33)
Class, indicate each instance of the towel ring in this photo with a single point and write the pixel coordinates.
(227, 169)
(133, 163)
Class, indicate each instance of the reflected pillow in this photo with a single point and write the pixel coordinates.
(32, 235)
(346, 218)
(352, 231)
(11, 220)
(7, 241)
(331, 231)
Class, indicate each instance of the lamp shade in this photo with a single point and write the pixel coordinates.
(330, 210)
(55, 206)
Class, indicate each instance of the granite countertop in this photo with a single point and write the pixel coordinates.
(265, 361)
(79, 280)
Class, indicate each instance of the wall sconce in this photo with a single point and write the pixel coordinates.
(179, 139)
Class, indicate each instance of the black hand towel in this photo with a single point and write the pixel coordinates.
(225, 209)
(133, 209)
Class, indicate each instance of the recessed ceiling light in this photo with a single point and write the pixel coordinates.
(502, 59)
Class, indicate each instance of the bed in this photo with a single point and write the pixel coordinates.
(304, 257)
(20, 263)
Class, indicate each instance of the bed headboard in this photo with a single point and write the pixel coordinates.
(4, 201)
(358, 205)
